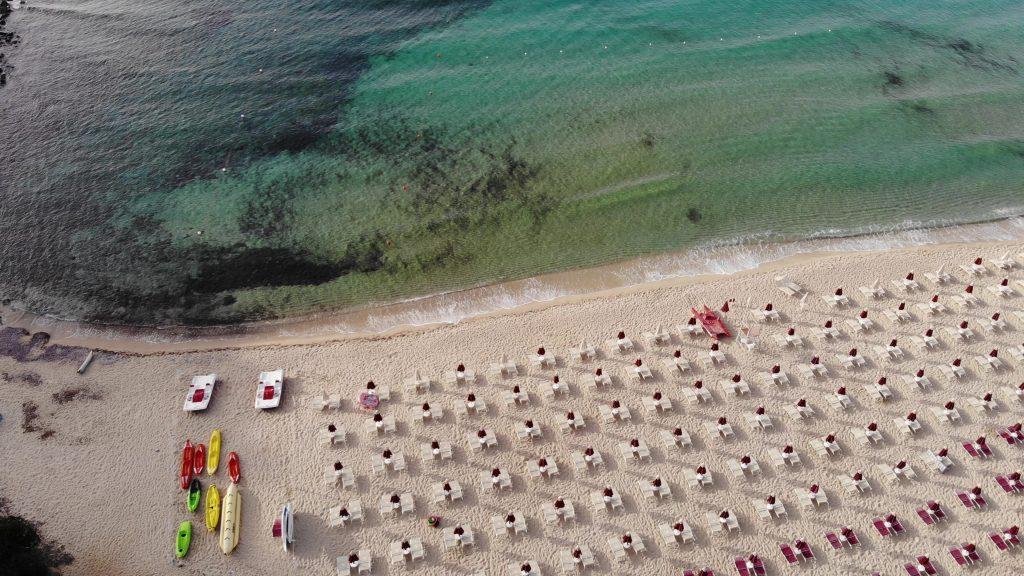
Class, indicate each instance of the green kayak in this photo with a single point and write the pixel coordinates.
(195, 492)
(184, 539)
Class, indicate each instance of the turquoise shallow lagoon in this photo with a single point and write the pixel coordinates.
(223, 163)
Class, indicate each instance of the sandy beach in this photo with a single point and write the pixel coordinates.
(94, 458)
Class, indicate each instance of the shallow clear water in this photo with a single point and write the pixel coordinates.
(395, 148)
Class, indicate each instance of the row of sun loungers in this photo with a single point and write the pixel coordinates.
(636, 452)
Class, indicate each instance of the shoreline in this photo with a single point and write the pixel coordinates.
(430, 312)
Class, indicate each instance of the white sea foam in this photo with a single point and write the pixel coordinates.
(722, 257)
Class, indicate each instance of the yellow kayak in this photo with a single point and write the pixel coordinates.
(212, 507)
(213, 455)
(230, 519)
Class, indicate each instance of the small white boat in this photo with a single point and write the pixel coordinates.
(199, 393)
(268, 393)
(284, 527)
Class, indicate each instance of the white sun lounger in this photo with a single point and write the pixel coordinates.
(502, 528)
(854, 486)
(505, 367)
(601, 505)
(363, 566)
(580, 462)
(417, 383)
(718, 525)
(867, 437)
(620, 345)
(326, 401)
(442, 453)
(584, 352)
(1000, 290)
(659, 336)
(940, 276)
(454, 377)
(780, 458)
(788, 287)
(897, 316)
(343, 477)
(670, 536)
(759, 422)
(695, 481)
(738, 470)
(1004, 262)
(875, 291)
(355, 514)
(437, 495)
(545, 360)
(676, 366)
(572, 565)
(671, 441)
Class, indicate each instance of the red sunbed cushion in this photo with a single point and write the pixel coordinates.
(268, 392)
(198, 395)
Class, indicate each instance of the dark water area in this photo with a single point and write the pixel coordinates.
(113, 100)
(216, 162)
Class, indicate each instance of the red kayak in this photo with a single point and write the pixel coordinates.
(199, 460)
(234, 470)
(186, 465)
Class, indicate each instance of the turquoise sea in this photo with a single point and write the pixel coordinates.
(216, 161)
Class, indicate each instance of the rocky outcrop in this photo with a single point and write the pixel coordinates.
(6, 38)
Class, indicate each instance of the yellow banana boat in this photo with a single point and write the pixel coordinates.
(230, 519)
(212, 507)
(213, 455)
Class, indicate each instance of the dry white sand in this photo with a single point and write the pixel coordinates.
(104, 482)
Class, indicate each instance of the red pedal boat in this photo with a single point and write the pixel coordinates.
(711, 323)
(234, 469)
(186, 465)
(199, 460)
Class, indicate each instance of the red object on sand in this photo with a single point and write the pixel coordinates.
(199, 460)
(369, 401)
(186, 465)
(234, 468)
(711, 323)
